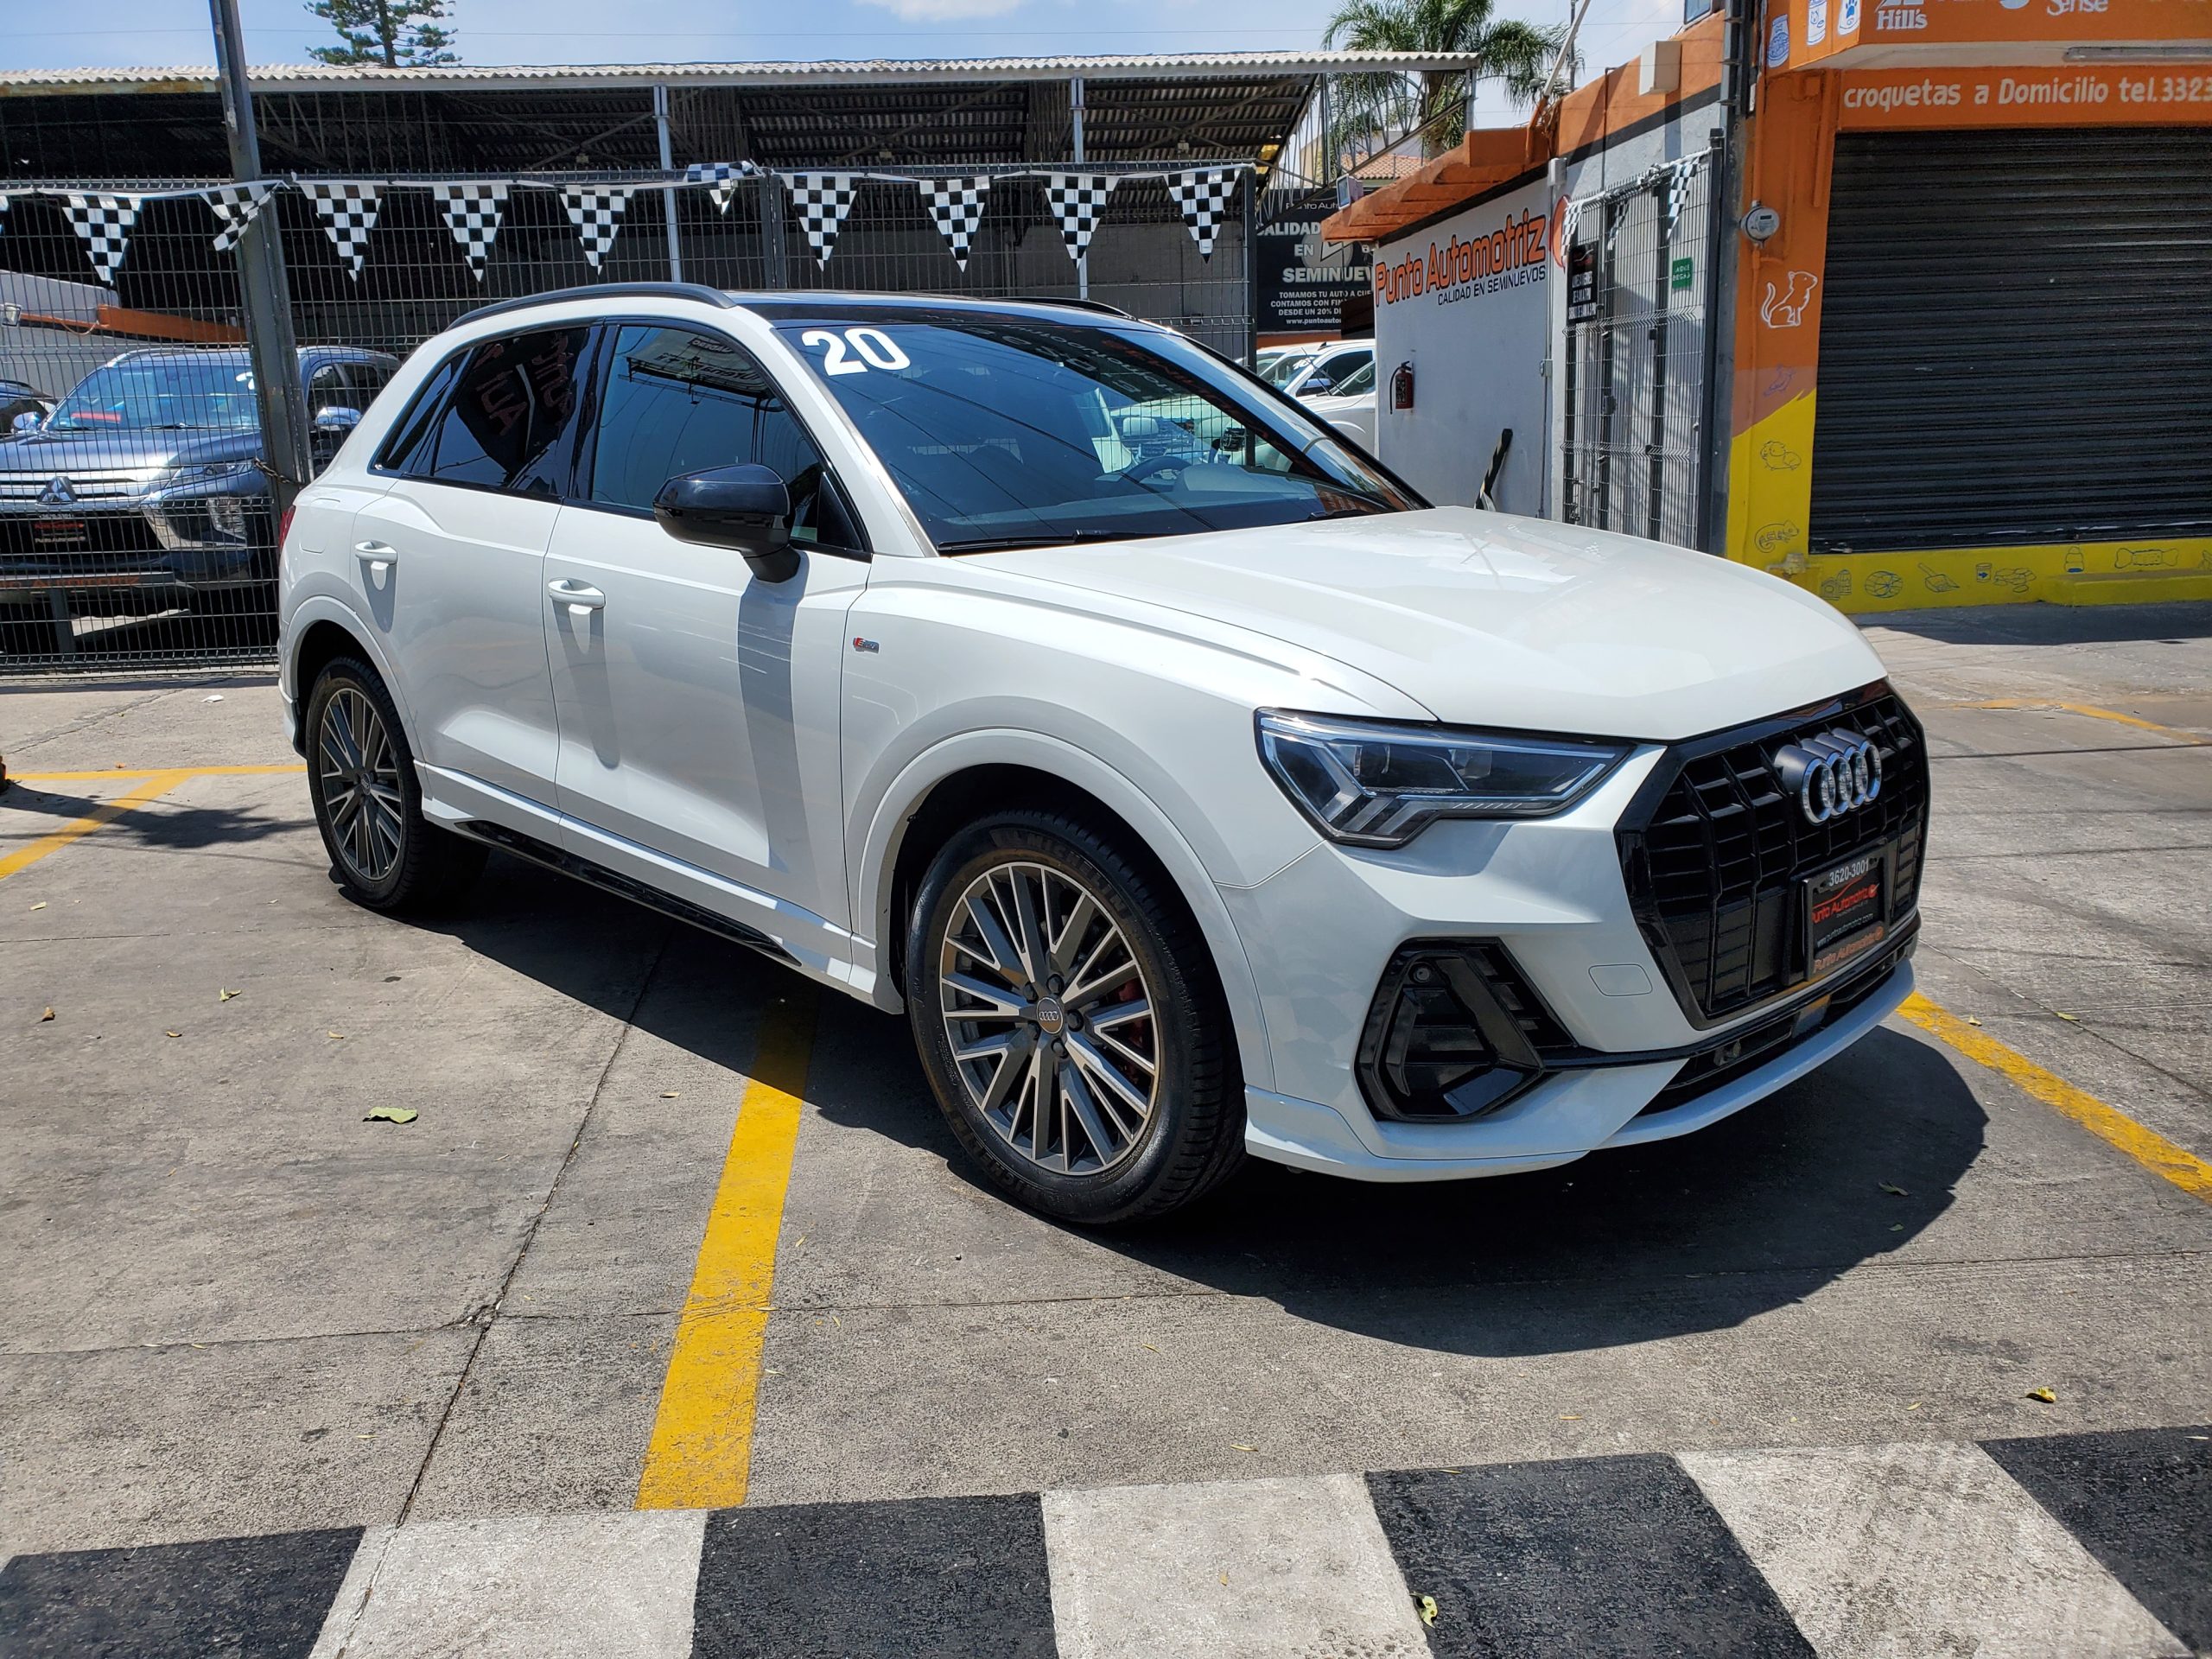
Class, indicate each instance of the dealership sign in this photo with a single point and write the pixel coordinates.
(1300, 292)
(1466, 268)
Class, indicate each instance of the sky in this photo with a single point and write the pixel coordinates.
(152, 32)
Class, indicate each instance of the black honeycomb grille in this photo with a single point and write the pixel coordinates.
(1715, 847)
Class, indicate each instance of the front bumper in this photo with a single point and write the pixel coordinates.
(1631, 1048)
(1572, 1114)
(217, 534)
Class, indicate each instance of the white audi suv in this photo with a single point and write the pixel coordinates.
(1193, 788)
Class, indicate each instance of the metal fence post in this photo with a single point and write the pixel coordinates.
(668, 196)
(774, 273)
(270, 340)
(1075, 107)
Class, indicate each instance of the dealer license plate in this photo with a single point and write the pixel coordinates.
(1843, 912)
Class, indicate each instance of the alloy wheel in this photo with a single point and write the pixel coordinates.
(1050, 1019)
(359, 774)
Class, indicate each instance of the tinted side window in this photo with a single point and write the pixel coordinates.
(509, 422)
(678, 400)
(407, 449)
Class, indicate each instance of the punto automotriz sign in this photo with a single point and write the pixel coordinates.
(1459, 265)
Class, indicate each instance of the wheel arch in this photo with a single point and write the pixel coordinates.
(321, 632)
(951, 784)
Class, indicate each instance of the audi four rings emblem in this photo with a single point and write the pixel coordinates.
(1831, 774)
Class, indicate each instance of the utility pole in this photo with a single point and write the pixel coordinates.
(270, 343)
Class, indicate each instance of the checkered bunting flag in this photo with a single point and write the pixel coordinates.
(1079, 202)
(1678, 186)
(956, 204)
(349, 213)
(824, 200)
(721, 179)
(472, 215)
(234, 207)
(102, 224)
(1203, 194)
(596, 212)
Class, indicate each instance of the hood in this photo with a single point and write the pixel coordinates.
(61, 454)
(1489, 620)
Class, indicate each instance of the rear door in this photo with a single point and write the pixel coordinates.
(699, 705)
(450, 560)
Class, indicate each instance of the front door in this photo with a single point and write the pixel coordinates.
(451, 559)
(698, 705)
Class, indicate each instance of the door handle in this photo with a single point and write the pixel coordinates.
(379, 556)
(578, 596)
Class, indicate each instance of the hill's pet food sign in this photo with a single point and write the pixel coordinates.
(1488, 264)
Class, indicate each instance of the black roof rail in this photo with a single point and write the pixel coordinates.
(1079, 305)
(699, 291)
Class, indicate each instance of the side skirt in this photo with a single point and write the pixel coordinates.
(598, 875)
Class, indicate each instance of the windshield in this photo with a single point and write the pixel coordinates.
(169, 394)
(1360, 379)
(1013, 431)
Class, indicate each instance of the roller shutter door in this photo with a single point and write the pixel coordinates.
(2016, 339)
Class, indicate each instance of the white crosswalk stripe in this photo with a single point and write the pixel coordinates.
(559, 1587)
(1887, 1552)
(1235, 1570)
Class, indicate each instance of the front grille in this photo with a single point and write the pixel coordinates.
(1714, 847)
(83, 487)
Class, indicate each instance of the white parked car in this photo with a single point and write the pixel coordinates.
(1191, 787)
(1328, 369)
(1350, 407)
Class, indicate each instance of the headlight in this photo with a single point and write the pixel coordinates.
(171, 476)
(1374, 784)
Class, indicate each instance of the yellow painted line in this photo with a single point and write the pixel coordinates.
(2146, 1147)
(106, 813)
(2088, 711)
(701, 1453)
(151, 771)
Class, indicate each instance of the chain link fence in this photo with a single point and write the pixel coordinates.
(1639, 302)
(137, 520)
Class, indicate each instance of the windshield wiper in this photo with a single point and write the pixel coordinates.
(1062, 539)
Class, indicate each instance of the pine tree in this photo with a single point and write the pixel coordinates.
(397, 33)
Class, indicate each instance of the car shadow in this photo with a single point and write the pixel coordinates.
(1759, 1212)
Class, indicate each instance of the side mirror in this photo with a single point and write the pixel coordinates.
(29, 420)
(337, 419)
(1143, 429)
(746, 508)
(1317, 386)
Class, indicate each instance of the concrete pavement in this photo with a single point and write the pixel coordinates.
(235, 1307)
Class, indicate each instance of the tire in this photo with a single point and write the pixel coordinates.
(383, 852)
(1094, 1153)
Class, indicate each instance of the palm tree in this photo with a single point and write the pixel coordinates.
(1434, 104)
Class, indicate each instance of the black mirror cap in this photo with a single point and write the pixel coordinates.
(746, 508)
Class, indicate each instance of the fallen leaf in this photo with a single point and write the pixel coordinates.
(1896, 1226)
(2043, 1394)
(40, 906)
(670, 1093)
(48, 1015)
(1235, 1445)
(1570, 1417)
(1971, 1020)
(1915, 1406)
(225, 997)
(335, 1036)
(216, 696)
(2070, 1018)
(172, 1034)
(390, 1114)
(1895, 1192)
(1429, 1610)
(1150, 1348)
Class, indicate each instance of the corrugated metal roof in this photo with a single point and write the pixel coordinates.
(315, 77)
